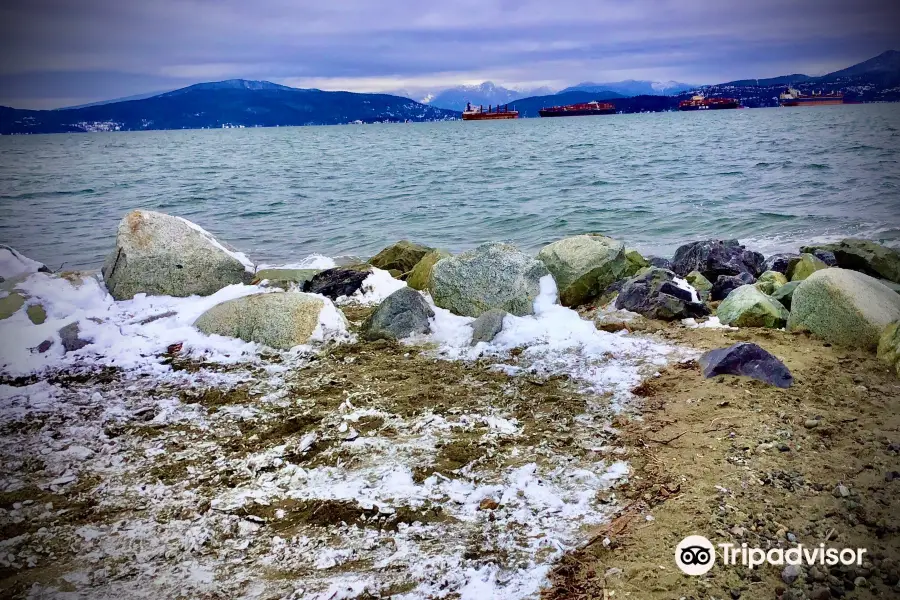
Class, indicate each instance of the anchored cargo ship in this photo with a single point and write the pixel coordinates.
(794, 97)
(579, 110)
(477, 113)
(700, 102)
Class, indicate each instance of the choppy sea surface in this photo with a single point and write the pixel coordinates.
(774, 178)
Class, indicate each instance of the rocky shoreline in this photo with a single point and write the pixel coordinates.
(353, 430)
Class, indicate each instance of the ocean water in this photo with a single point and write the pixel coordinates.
(774, 178)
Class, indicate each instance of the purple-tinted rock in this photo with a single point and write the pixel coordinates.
(660, 262)
(717, 257)
(655, 295)
(779, 262)
(44, 346)
(726, 284)
(337, 282)
(825, 256)
(747, 360)
(70, 338)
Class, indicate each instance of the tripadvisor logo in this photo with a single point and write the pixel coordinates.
(696, 555)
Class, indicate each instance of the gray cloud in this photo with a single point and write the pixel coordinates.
(56, 51)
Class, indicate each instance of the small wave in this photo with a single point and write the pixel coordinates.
(817, 167)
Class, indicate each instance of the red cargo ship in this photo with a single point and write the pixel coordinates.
(477, 113)
(699, 102)
(579, 110)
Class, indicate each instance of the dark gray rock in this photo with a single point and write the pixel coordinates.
(655, 295)
(660, 262)
(400, 315)
(337, 282)
(486, 327)
(69, 336)
(717, 257)
(785, 293)
(44, 346)
(779, 262)
(725, 284)
(747, 360)
(825, 256)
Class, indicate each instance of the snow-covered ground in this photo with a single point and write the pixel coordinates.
(237, 471)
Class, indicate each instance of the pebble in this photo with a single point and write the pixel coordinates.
(840, 491)
(790, 574)
(792, 538)
(860, 582)
(811, 423)
(821, 593)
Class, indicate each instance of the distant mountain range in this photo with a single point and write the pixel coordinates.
(631, 87)
(487, 93)
(233, 103)
(245, 103)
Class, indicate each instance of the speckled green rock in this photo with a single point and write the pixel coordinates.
(844, 307)
(402, 256)
(866, 256)
(158, 254)
(583, 266)
(10, 304)
(285, 277)
(36, 314)
(280, 320)
(889, 346)
(803, 266)
(746, 306)
(493, 275)
(634, 262)
(770, 281)
(699, 283)
(420, 276)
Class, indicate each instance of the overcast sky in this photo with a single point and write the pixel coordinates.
(64, 52)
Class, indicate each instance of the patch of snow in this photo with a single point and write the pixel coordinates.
(710, 323)
(556, 340)
(683, 284)
(13, 264)
(377, 286)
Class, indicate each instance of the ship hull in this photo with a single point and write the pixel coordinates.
(812, 102)
(490, 116)
(720, 106)
(576, 113)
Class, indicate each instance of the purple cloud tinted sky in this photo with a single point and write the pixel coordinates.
(58, 52)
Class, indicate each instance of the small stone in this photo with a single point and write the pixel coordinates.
(892, 476)
(840, 491)
(734, 593)
(69, 335)
(815, 574)
(790, 574)
(821, 593)
(792, 538)
(784, 448)
(860, 582)
(44, 346)
(811, 423)
(488, 504)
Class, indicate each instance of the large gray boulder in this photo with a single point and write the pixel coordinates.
(162, 255)
(865, 256)
(717, 257)
(400, 315)
(844, 307)
(748, 307)
(584, 265)
(493, 275)
(280, 320)
(726, 284)
(656, 295)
